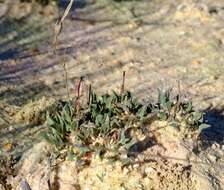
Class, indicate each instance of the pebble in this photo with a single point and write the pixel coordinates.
(212, 158)
(136, 166)
(215, 146)
(149, 170)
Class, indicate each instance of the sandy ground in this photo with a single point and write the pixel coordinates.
(160, 44)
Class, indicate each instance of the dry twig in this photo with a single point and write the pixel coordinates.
(58, 24)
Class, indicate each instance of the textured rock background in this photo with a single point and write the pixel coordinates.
(160, 44)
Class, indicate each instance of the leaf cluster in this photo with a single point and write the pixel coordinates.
(176, 111)
(105, 124)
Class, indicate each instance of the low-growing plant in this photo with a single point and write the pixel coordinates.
(177, 112)
(61, 123)
(103, 125)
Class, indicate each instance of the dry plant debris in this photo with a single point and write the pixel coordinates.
(58, 25)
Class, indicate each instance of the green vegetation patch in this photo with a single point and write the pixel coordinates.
(105, 125)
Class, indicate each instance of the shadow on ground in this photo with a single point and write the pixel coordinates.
(215, 132)
(22, 43)
(22, 95)
(18, 36)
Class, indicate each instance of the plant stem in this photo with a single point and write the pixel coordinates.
(66, 80)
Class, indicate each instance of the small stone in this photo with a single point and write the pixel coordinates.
(136, 166)
(149, 170)
(212, 158)
(215, 146)
(8, 147)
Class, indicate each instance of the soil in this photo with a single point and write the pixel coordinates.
(160, 44)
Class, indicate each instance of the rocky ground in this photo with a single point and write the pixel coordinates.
(160, 44)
